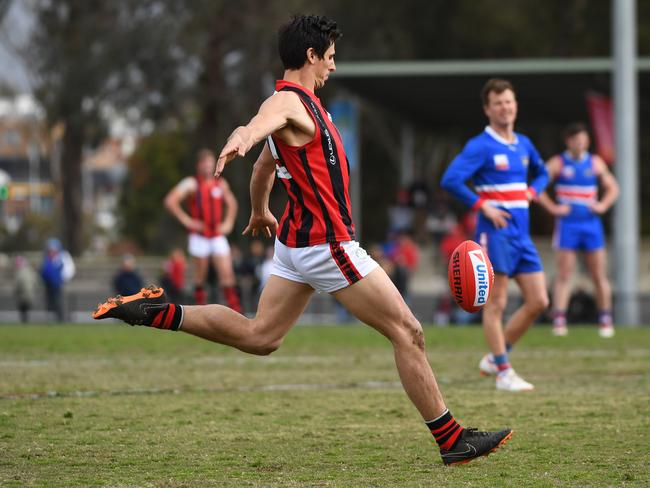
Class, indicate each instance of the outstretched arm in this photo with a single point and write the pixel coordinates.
(262, 220)
(276, 112)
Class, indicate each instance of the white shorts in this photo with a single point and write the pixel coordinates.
(325, 267)
(203, 247)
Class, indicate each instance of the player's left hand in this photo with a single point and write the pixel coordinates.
(261, 225)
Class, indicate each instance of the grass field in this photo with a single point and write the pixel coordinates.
(110, 405)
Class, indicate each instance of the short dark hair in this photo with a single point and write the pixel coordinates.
(496, 85)
(303, 32)
(573, 129)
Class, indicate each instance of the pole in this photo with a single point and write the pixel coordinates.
(626, 212)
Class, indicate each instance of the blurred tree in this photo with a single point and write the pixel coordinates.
(89, 56)
(154, 168)
(202, 67)
(234, 45)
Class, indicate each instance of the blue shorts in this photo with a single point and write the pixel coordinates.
(579, 235)
(511, 255)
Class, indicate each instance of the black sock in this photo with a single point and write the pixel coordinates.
(169, 318)
(445, 430)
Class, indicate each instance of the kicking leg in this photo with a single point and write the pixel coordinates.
(375, 301)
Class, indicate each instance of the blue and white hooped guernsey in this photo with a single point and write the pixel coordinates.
(577, 185)
(501, 171)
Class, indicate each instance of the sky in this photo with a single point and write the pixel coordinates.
(14, 32)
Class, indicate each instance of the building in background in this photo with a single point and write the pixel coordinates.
(25, 165)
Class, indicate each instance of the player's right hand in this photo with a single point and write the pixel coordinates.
(497, 216)
(235, 146)
(261, 224)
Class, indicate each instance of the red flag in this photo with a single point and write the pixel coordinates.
(600, 115)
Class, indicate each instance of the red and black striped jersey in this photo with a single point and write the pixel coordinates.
(316, 177)
(206, 205)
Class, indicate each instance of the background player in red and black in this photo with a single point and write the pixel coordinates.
(212, 211)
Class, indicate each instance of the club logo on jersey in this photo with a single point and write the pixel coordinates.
(501, 162)
(481, 277)
(568, 172)
(330, 147)
(321, 122)
(216, 192)
(524, 161)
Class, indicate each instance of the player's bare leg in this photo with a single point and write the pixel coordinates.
(535, 296)
(199, 278)
(493, 314)
(597, 265)
(227, 281)
(280, 305)
(565, 261)
(596, 262)
(498, 362)
(375, 301)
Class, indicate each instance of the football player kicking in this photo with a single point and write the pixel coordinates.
(315, 247)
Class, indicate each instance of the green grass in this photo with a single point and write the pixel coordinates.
(110, 405)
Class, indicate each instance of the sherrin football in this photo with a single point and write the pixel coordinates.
(470, 276)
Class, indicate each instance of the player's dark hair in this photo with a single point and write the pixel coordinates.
(303, 32)
(496, 85)
(573, 129)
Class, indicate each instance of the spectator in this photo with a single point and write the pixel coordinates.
(402, 250)
(400, 215)
(173, 279)
(128, 280)
(57, 269)
(441, 219)
(25, 287)
(419, 196)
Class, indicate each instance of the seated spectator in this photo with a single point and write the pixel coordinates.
(127, 281)
(400, 215)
